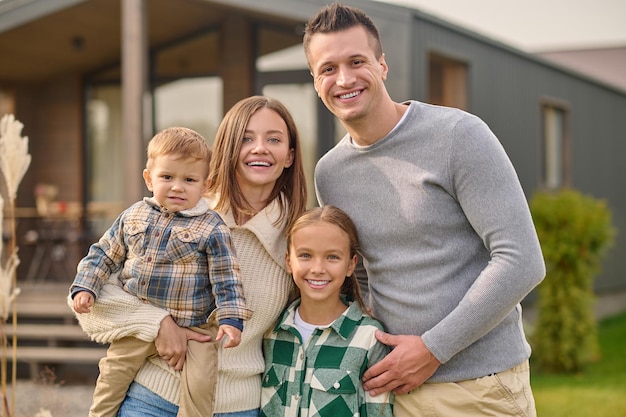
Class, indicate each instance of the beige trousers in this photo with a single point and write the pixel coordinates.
(506, 393)
(126, 356)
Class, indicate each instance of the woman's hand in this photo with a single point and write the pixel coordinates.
(171, 342)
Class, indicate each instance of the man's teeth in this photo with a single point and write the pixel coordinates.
(350, 95)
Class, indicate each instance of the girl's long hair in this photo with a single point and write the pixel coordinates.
(337, 217)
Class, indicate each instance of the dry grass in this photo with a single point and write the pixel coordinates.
(48, 397)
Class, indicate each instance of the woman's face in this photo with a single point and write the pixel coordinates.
(264, 153)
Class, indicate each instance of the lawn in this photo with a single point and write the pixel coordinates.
(600, 391)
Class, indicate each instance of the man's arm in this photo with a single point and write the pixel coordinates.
(488, 191)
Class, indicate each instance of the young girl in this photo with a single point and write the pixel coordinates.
(323, 343)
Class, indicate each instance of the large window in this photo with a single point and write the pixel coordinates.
(105, 169)
(195, 103)
(283, 75)
(185, 92)
(447, 81)
(555, 145)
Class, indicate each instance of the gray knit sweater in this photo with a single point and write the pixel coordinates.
(446, 235)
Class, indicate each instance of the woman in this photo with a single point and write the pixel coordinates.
(257, 185)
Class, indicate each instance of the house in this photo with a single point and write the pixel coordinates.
(92, 80)
(607, 64)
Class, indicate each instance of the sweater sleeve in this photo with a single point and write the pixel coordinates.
(486, 187)
(105, 258)
(117, 314)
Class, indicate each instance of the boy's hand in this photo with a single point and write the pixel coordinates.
(233, 333)
(83, 301)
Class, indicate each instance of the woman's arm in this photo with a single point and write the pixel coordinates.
(117, 314)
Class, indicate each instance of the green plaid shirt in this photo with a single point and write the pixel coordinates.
(322, 378)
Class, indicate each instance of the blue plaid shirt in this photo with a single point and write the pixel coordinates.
(322, 378)
(181, 261)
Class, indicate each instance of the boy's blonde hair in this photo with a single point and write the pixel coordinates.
(180, 141)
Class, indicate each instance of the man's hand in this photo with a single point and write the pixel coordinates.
(407, 366)
(171, 342)
(233, 333)
(83, 301)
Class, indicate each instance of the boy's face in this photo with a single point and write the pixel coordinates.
(177, 184)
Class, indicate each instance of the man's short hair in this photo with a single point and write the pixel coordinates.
(337, 17)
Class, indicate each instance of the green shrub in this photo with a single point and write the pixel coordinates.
(574, 231)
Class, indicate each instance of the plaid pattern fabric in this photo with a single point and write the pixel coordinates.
(323, 377)
(184, 262)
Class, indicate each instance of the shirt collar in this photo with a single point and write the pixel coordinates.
(201, 208)
(263, 226)
(344, 325)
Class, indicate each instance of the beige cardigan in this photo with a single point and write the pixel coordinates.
(261, 248)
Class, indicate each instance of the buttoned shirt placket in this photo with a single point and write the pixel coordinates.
(156, 238)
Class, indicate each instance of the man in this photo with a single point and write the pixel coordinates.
(447, 239)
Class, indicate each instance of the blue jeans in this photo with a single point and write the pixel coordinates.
(141, 402)
(248, 413)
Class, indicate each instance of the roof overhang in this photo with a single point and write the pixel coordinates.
(14, 13)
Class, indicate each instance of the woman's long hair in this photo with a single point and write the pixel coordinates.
(290, 187)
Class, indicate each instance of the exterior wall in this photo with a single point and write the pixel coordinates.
(606, 64)
(507, 88)
(237, 63)
(52, 114)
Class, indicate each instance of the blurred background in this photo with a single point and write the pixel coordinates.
(93, 80)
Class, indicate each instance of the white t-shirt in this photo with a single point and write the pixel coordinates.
(305, 329)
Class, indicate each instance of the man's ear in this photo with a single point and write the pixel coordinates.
(384, 67)
(147, 179)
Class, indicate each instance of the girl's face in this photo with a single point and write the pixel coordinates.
(177, 184)
(265, 151)
(319, 259)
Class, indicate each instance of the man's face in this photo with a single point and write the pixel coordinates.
(347, 75)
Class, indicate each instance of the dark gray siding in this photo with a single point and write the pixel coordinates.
(507, 88)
